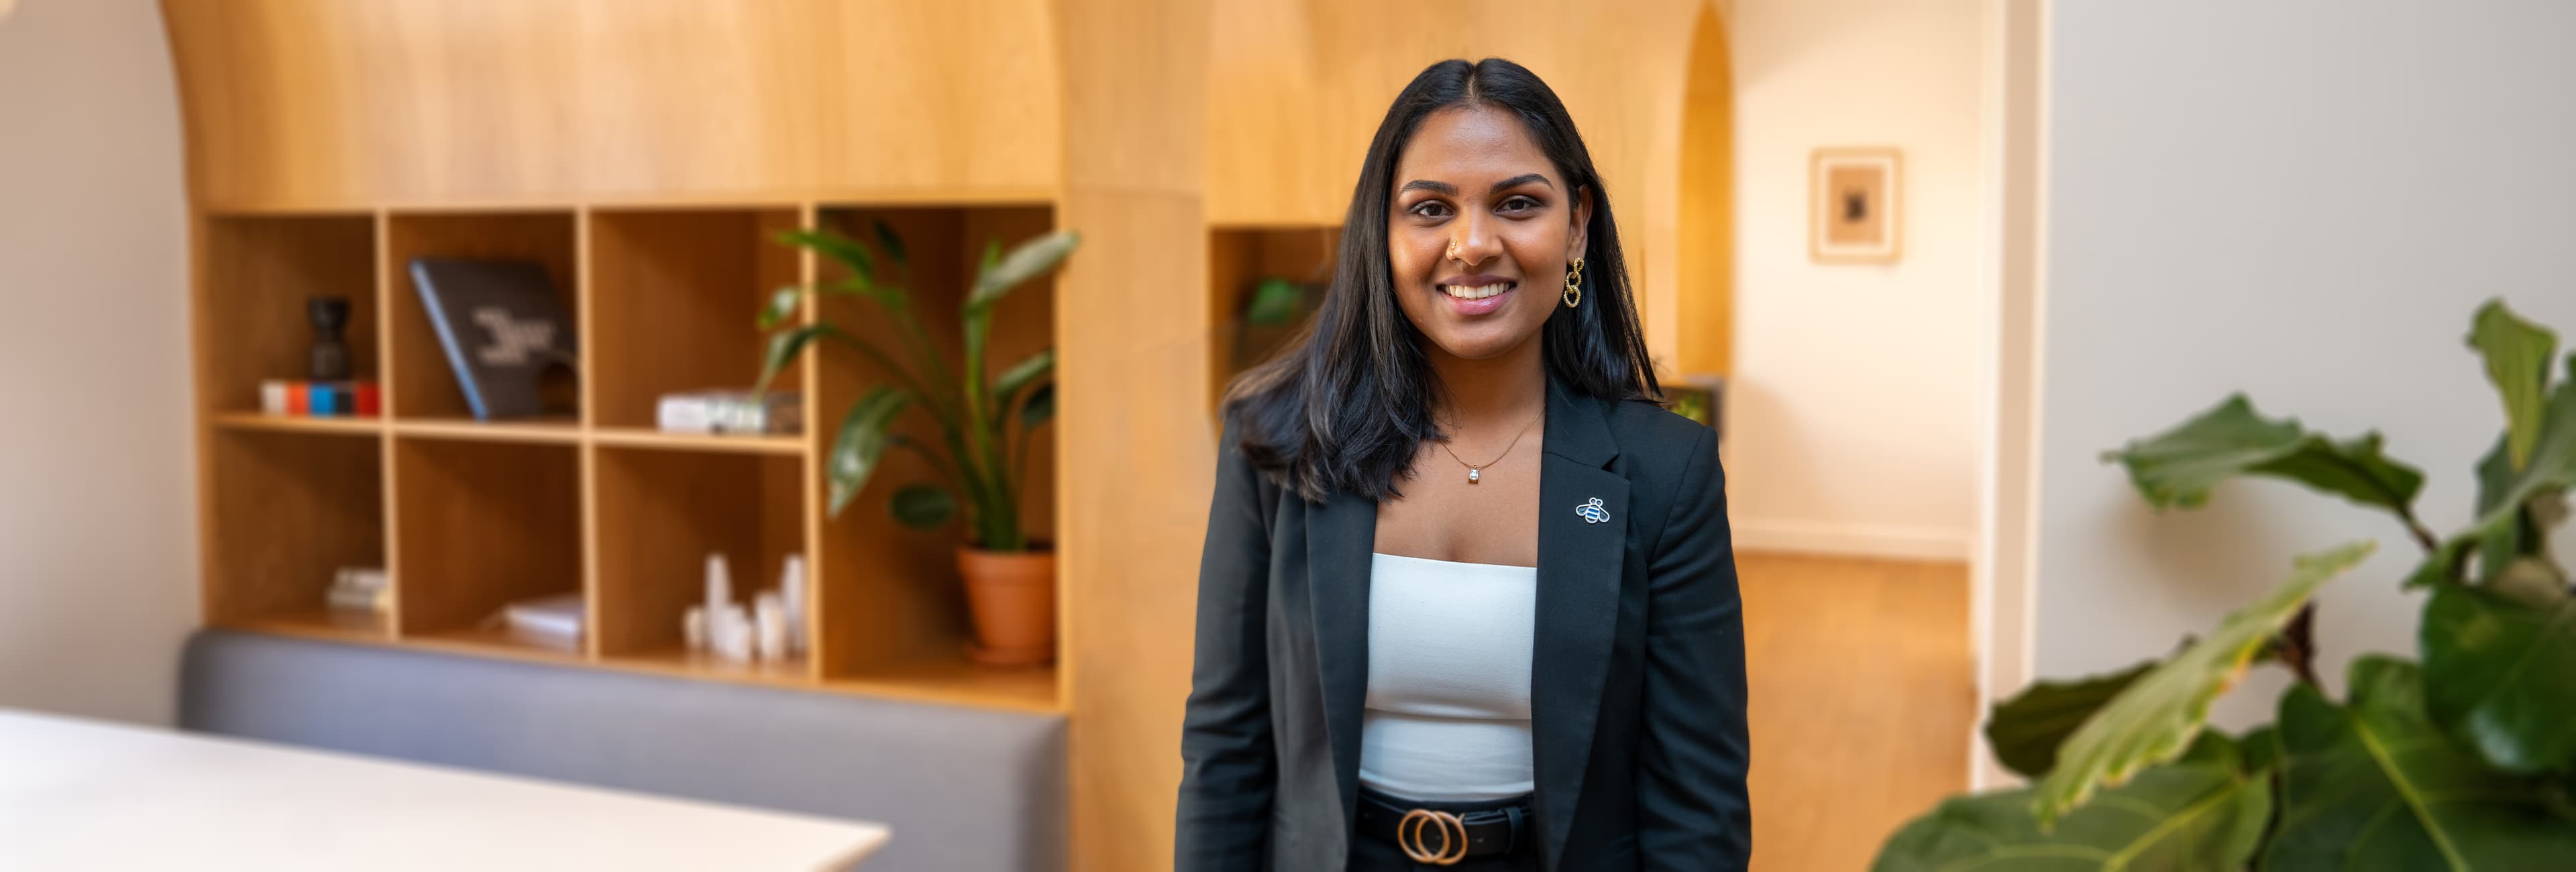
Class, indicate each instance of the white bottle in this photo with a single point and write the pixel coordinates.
(791, 589)
(769, 613)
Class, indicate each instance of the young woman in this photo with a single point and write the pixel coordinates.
(1468, 599)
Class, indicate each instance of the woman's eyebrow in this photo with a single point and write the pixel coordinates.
(1522, 179)
(1442, 188)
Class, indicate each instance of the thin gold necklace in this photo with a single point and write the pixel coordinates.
(1475, 471)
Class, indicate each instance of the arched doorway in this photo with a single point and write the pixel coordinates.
(1705, 314)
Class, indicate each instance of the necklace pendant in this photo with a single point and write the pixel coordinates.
(1472, 475)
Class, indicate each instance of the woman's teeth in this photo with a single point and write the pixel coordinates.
(1476, 292)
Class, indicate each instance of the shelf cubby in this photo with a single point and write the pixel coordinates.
(424, 387)
(288, 511)
(1240, 258)
(660, 513)
(479, 525)
(258, 273)
(893, 615)
(673, 297)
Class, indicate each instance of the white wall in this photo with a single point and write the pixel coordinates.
(1851, 420)
(98, 578)
(2303, 200)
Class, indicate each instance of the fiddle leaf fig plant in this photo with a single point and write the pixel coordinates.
(983, 423)
(2466, 761)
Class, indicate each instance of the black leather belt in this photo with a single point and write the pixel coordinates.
(1443, 838)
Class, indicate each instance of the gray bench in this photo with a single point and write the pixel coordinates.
(964, 789)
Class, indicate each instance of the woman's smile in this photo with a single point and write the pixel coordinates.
(1477, 294)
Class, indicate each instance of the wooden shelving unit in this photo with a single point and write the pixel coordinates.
(1240, 258)
(467, 516)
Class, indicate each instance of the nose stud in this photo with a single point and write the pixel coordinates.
(1453, 249)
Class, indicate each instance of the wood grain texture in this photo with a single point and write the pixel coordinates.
(286, 512)
(301, 103)
(1863, 701)
(1703, 309)
(661, 513)
(259, 273)
(484, 524)
(1134, 326)
(424, 384)
(673, 295)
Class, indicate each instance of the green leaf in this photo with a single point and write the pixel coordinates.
(2180, 466)
(2375, 786)
(780, 307)
(862, 441)
(2508, 506)
(2157, 716)
(1026, 262)
(923, 506)
(1274, 303)
(1008, 385)
(2500, 674)
(2261, 747)
(2180, 817)
(891, 243)
(837, 247)
(1040, 408)
(2517, 355)
(2024, 731)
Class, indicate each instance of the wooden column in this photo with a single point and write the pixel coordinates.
(1133, 324)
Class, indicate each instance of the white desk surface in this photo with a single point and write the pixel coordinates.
(81, 794)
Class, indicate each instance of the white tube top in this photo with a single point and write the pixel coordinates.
(1449, 647)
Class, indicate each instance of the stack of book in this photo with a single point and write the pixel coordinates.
(360, 589)
(554, 621)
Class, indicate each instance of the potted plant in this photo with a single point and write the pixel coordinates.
(979, 453)
(2465, 760)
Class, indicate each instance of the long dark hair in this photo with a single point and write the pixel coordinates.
(1346, 407)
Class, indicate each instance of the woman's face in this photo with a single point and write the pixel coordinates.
(1480, 232)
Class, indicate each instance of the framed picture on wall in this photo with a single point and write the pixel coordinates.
(1854, 209)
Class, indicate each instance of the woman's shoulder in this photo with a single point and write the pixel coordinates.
(1650, 430)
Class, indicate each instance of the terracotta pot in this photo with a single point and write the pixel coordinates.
(1013, 596)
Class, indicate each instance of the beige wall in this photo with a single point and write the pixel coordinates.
(2308, 215)
(98, 574)
(1852, 417)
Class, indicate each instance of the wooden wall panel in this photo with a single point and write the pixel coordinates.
(315, 103)
(1133, 314)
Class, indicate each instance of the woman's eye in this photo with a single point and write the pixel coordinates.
(1430, 209)
(1517, 204)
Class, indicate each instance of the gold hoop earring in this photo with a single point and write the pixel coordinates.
(1574, 283)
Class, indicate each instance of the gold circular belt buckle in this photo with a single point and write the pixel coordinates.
(1408, 835)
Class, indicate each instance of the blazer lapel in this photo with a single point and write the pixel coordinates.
(1582, 537)
(1340, 535)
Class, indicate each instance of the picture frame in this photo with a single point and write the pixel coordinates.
(1856, 205)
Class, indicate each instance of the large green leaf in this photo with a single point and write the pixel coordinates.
(2500, 674)
(2180, 466)
(923, 506)
(840, 248)
(1023, 263)
(2508, 509)
(2179, 817)
(2375, 787)
(1006, 387)
(784, 345)
(862, 441)
(2156, 717)
(891, 243)
(1040, 408)
(2024, 731)
(2517, 356)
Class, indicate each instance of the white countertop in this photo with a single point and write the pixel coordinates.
(82, 794)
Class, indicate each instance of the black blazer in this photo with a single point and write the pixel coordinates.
(1637, 684)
